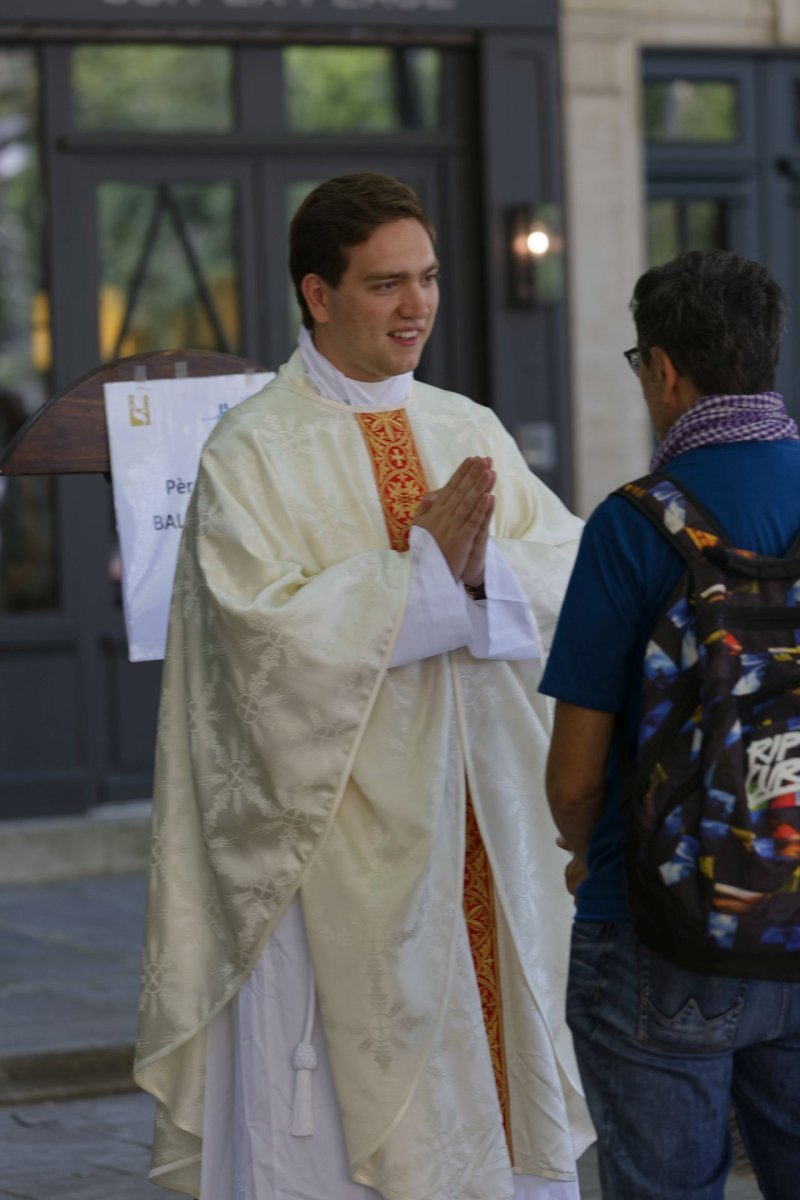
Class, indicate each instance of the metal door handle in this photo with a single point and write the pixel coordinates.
(789, 168)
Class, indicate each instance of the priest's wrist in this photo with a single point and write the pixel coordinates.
(475, 591)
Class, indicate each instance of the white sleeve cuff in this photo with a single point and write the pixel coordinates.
(503, 626)
(436, 617)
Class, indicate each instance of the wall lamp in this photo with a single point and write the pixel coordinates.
(535, 255)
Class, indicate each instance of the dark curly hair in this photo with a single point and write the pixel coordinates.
(719, 317)
(341, 213)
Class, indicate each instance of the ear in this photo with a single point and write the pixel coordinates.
(315, 294)
(669, 378)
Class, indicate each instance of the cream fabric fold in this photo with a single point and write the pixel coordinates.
(289, 758)
(435, 619)
(248, 1150)
(439, 617)
(502, 624)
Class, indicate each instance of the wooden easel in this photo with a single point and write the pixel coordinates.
(68, 436)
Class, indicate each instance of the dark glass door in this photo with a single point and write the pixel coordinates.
(779, 198)
(161, 255)
(722, 136)
(165, 235)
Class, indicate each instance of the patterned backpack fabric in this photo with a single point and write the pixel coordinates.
(713, 840)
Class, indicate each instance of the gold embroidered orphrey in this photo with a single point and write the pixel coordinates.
(289, 759)
(401, 485)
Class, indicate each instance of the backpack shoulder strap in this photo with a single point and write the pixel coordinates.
(676, 514)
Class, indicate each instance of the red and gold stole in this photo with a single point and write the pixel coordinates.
(401, 482)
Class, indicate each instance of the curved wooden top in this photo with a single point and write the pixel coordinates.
(67, 435)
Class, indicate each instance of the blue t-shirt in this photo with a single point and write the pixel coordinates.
(623, 576)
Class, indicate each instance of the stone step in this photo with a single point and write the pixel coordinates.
(107, 840)
(70, 1075)
(70, 956)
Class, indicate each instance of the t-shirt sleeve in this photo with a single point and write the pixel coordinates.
(601, 619)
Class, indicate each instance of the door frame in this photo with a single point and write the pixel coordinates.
(512, 99)
(763, 199)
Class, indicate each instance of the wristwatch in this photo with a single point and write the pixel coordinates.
(475, 593)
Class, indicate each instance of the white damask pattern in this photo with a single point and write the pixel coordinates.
(288, 759)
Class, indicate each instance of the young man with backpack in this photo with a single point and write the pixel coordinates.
(674, 770)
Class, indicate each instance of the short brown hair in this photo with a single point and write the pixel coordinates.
(341, 213)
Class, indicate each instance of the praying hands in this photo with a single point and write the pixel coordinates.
(458, 517)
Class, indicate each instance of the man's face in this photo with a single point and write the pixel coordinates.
(377, 321)
(652, 390)
(668, 393)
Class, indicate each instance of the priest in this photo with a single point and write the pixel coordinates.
(357, 934)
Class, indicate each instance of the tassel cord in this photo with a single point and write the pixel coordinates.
(305, 1063)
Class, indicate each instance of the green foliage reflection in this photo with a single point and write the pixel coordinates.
(361, 89)
(27, 566)
(146, 270)
(684, 110)
(21, 226)
(675, 225)
(153, 88)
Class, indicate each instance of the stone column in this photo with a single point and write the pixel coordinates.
(787, 16)
(602, 42)
(604, 189)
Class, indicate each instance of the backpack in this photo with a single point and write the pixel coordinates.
(712, 802)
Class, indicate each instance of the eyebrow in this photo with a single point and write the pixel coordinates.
(383, 276)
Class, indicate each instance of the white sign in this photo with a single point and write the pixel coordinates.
(156, 431)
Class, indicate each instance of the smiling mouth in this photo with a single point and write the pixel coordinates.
(406, 337)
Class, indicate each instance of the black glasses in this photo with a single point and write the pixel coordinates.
(634, 359)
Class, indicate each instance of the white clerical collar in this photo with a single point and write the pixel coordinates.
(329, 381)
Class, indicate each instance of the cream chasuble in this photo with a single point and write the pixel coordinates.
(289, 758)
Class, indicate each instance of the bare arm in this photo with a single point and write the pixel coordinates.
(576, 774)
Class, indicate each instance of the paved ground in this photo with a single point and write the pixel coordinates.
(78, 1150)
(69, 973)
(98, 1150)
(69, 966)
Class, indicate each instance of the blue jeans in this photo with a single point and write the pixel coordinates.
(662, 1052)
